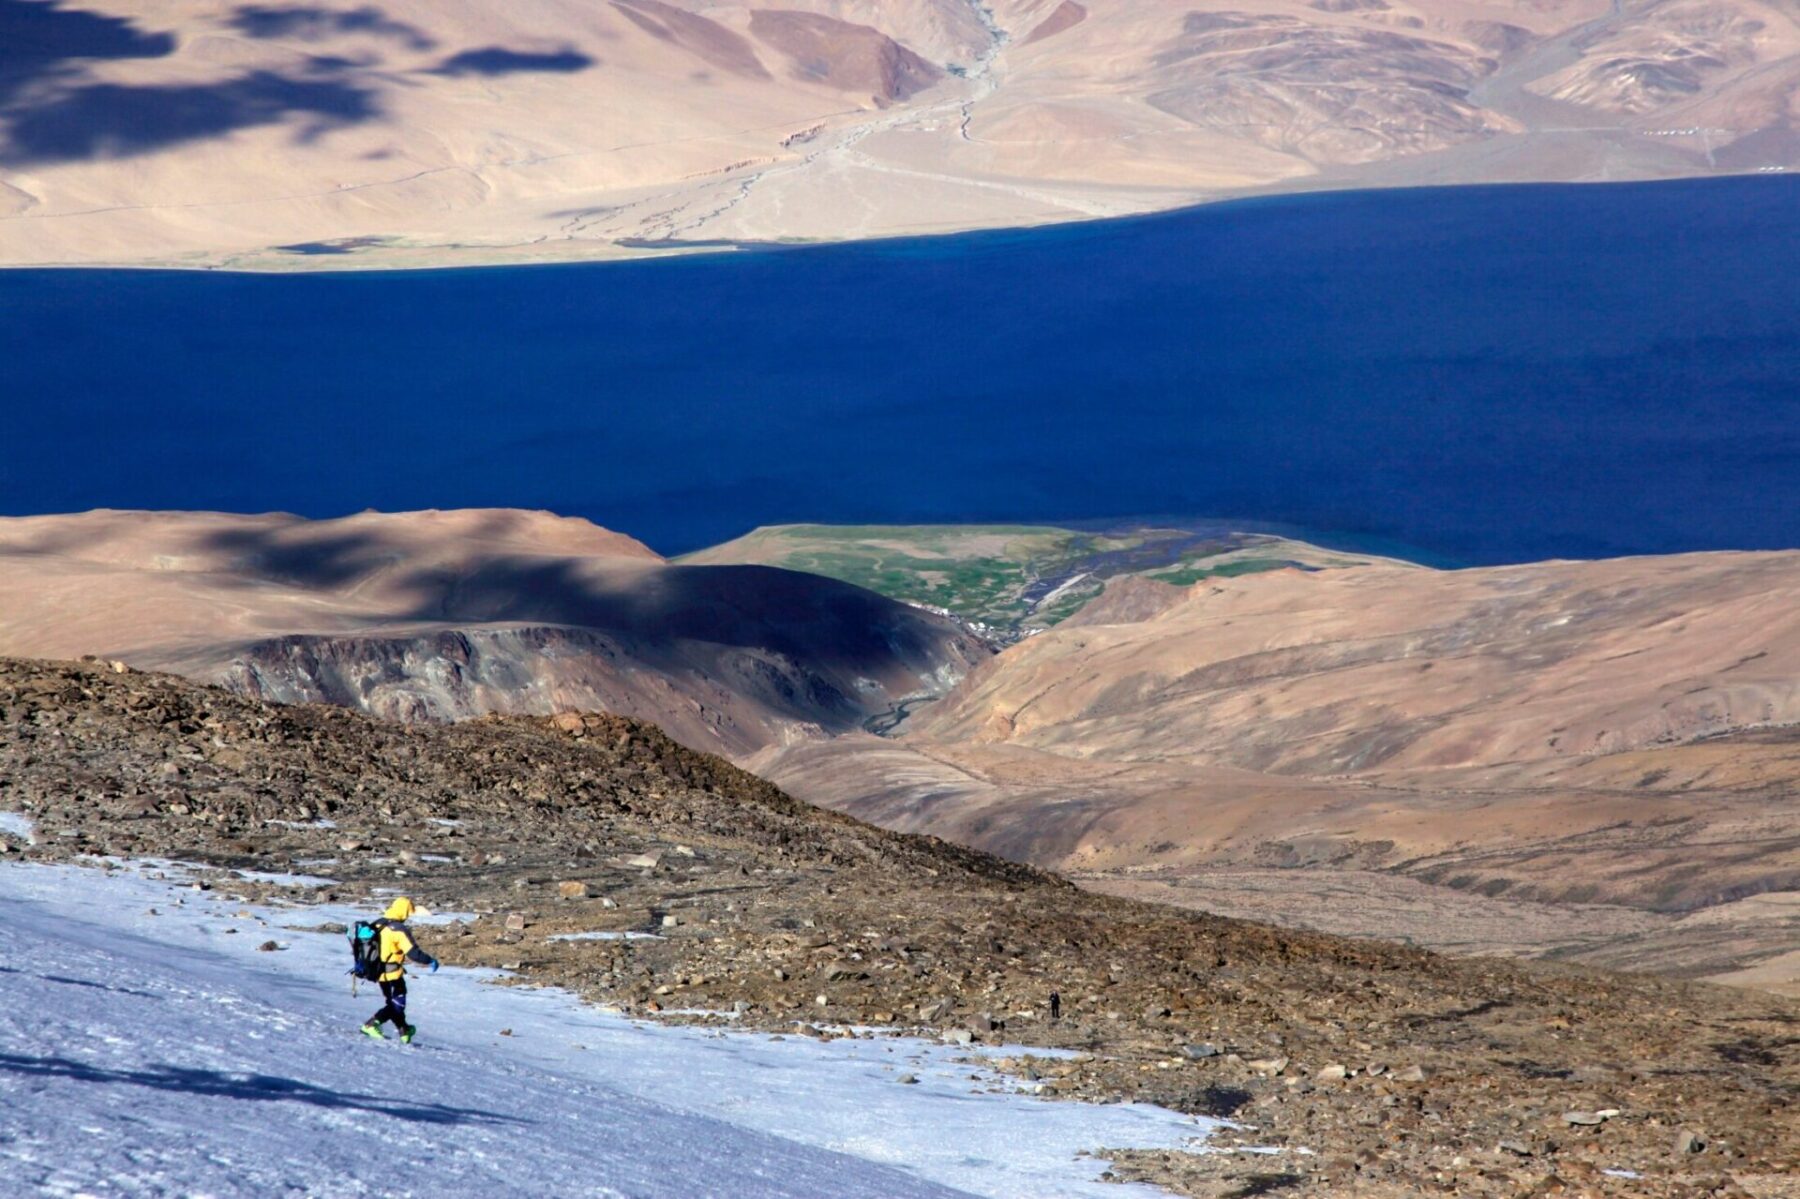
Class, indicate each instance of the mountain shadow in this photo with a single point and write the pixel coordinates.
(82, 982)
(40, 38)
(118, 120)
(309, 22)
(498, 60)
(805, 617)
(247, 1086)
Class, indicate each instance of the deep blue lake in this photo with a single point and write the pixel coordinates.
(1493, 374)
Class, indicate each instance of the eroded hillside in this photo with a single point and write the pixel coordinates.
(1617, 732)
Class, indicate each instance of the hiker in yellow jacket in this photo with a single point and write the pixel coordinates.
(397, 948)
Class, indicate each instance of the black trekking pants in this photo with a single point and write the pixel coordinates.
(394, 991)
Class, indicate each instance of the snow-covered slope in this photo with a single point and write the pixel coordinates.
(148, 1048)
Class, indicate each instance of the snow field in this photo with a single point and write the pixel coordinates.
(150, 1055)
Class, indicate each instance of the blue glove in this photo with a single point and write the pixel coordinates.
(434, 965)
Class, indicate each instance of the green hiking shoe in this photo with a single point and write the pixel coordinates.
(371, 1030)
(406, 1034)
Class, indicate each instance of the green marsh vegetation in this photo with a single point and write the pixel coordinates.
(1015, 579)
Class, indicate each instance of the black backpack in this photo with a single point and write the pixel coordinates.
(365, 949)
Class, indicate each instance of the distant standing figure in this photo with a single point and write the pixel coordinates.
(396, 948)
(1055, 1005)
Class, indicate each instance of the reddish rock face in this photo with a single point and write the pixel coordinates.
(853, 58)
(712, 42)
(1068, 14)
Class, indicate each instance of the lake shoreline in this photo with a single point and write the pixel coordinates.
(398, 258)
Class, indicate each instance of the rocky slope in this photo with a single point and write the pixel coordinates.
(422, 131)
(1399, 1072)
(445, 615)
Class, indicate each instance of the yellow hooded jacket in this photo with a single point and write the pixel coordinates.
(397, 944)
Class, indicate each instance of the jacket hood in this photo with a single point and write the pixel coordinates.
(401, 910)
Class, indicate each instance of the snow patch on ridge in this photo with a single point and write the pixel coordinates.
(19, 825)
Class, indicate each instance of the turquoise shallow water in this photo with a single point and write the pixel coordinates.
(1492, 374)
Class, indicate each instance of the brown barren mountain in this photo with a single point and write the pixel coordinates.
(423, 131)
(441, 615)
(1357, 673)
(1619, 733)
